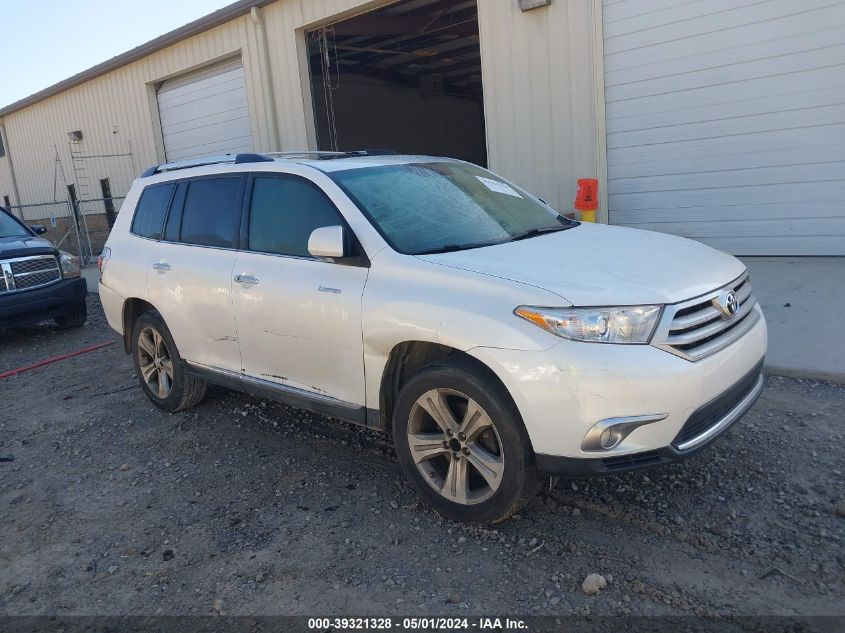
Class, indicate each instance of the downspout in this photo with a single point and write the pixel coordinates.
(266, 73)
(597, 16)
(15, 191)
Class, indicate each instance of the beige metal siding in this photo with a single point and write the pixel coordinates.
(115, 115)
(540, 95)
(538, 81)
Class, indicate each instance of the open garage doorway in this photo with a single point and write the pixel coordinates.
(405, 78)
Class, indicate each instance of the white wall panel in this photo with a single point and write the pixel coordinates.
(725, 122)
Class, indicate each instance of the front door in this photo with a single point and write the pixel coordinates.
(298, 317)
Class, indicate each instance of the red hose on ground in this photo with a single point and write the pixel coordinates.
(54, 359)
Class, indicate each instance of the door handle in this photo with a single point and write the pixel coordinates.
(161, 267)
(246, 279)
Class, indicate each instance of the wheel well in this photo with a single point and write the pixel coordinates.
(408, 358)
(132, 309)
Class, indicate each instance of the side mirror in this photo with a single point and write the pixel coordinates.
(327, 241)
(39, 229)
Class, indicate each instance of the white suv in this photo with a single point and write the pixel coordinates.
(429, 297)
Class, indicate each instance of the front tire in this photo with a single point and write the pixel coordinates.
(73, 319)
(160, 369)
(461, 441)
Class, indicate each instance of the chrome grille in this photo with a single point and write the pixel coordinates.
(33, 264)
(697, 328)
(25, 273)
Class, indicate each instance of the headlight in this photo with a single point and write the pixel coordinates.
(627, 324)
(70, 265)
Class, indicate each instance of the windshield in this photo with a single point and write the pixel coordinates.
(9, 227)
(438, 207)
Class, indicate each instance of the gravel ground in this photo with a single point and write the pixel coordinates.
(244, 506)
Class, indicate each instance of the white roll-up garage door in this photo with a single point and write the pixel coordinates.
(726, 121)
(205, 113)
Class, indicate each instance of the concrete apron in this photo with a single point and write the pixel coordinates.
(92, 278)
(803, 299)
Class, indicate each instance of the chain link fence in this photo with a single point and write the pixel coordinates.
(82, 180)
(79, 227)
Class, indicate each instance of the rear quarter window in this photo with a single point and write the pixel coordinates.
(151, 211)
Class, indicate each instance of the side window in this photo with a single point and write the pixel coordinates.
(150, 212)
(174, 218)
(284, 212)
(210, 213)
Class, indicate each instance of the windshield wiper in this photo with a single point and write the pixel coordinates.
(451, 248)
(542, 231)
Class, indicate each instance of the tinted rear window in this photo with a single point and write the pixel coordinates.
(210, 214)
(151, 209)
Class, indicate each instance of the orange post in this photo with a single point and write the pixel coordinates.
(587, 198)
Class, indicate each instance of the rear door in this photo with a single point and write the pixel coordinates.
(298, 317)
(189, 277)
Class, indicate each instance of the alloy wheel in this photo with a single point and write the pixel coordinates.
(155, 362)
(455, 446)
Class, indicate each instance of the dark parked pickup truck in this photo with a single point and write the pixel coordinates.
(37, 281)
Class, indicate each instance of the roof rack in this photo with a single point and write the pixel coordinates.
(312, 154)
(238, 159)
(235, 159)
(329, 155)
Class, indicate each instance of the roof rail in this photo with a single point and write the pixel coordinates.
(377, 152)
(330, 155)
(235, 159)
(316, 154)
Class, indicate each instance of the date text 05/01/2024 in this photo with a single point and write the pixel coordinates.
(417, 623)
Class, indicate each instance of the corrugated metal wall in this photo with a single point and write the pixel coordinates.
(726, 122)
(538, 75)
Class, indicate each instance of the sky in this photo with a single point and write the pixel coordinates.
(46, 41)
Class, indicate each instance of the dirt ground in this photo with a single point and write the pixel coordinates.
(244, 506)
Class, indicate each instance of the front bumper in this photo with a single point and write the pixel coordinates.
(39, 304)
(562, 392)
(702, 428)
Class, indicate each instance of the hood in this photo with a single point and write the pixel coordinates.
(595, 265)
(20, 245)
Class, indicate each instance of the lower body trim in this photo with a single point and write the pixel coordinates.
(318, 403)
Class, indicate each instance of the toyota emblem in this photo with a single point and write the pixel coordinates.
(727, 303)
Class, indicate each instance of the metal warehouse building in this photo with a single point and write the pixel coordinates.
(720, 120)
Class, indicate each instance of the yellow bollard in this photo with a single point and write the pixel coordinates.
(588, 216)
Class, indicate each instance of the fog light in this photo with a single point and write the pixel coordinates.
(610, 438)
(608, 434)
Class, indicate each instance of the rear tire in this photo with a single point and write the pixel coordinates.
(161, 371)
(76, 318)
(461, 441)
